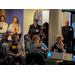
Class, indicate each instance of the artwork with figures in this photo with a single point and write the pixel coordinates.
(42, 16)
(38, 15)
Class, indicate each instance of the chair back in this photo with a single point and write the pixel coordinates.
(0, 36)
(26, 37)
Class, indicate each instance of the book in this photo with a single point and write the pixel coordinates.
(38, 45)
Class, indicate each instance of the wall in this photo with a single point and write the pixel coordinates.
(57, 19)
(55, 24)
(10, 13)
(65, 16)
(28, 19)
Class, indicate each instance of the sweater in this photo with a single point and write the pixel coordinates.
(38, 50)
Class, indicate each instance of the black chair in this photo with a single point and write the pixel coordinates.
(27, 43)
(0, 36)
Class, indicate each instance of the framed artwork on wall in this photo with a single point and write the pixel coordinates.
(38, 15)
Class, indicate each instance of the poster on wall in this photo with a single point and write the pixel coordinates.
(42, 16)
(38, 15)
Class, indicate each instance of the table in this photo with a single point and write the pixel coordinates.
(59, 62)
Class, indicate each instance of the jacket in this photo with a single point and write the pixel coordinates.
(1, 42)
(55, 47)
(31, 34)
(68, 36)
(20, 49)
(45, 39)
(38, 50)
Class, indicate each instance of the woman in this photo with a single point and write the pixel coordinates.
(15, 28)
(3, 24)
(59, 46)
(37, 54)
(44, 33)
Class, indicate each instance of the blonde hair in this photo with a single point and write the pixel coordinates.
(59, 36)
(35, 37)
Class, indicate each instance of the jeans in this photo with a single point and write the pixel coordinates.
(19, 59)
(36, 58)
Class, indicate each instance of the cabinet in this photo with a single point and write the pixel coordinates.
(2, 12)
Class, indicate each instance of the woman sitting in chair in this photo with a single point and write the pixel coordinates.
(37, 51)
(59, 46)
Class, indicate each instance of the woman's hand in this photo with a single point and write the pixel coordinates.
(43, 49)
(14, 32)
(34, 49)
(62, 46)
(43, 34)
(41, 31)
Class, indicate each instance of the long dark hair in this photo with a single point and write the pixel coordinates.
(2, 16)
(47, 26)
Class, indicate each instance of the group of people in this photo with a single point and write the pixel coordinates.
(64, 42)
(13, 28)
(37, 35)
(13, 51)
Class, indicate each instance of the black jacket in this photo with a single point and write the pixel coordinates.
(45, 40)
(55, 47)
(33, 27)
(67, 35)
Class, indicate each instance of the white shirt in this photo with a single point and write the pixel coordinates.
(5, 27)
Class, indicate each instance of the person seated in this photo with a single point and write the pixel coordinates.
(15, 51)
(4, 39)
(59, 46)
(35, 53)
(3, 43)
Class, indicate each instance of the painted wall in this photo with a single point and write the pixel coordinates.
(10, 13)
(28, 19)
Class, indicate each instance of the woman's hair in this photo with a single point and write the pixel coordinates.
(59, 36)
(16, 18)
(2, 16)
(47, 26)
(35, 37)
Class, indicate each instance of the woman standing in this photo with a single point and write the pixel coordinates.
(44, 33)
(15, 28)
(3, 24)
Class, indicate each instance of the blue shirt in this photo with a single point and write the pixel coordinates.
(1, 42)
(38, 50)
(73, 25)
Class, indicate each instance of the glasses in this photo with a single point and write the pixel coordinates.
(2, 18)
(36, 40)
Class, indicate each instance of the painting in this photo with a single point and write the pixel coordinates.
(38, 15)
